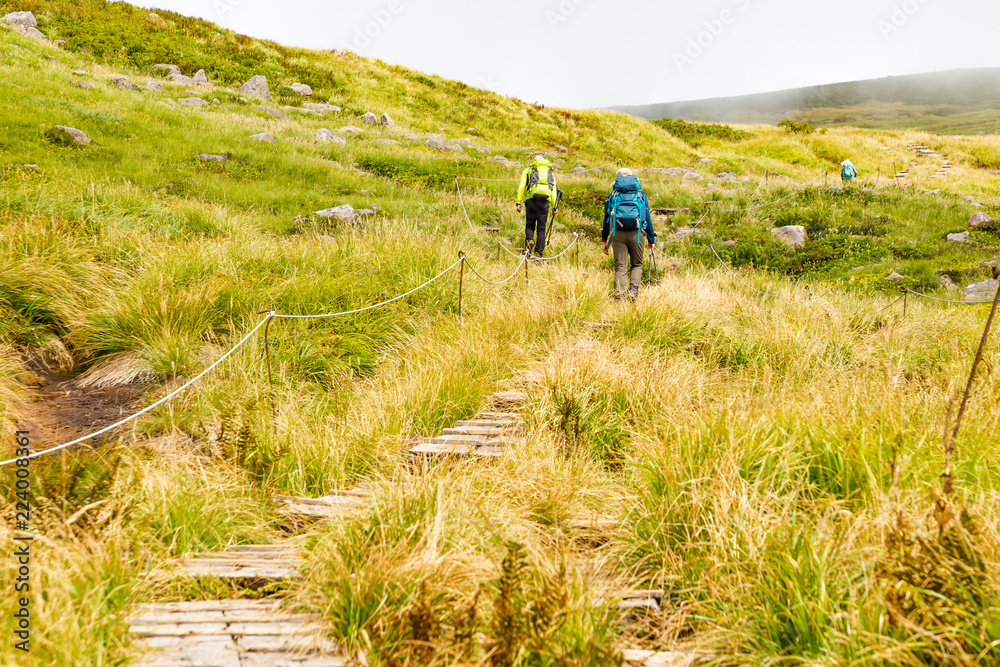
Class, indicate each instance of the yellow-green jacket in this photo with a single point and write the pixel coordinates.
(542, 188)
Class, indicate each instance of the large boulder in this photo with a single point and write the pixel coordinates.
(370, 118)
(270, 111)
(327, 137)
(256, 86)
(68, 135)
(980, 220)
(263, 136)
(984, 291)
(21, 20)
(793, 235)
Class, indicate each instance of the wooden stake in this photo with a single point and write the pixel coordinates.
(461, 279)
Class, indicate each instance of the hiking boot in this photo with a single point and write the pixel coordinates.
(633, 294)
(538, 255)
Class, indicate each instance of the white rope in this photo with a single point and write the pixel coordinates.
(372, 307)
(934, 298)
(576, 237)
(154, 405)
(524, 258)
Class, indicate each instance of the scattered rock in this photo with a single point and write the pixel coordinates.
(983, 291)
(670, 171)
(578, 170)
(835, 188)
(34, 33)
(505, 162)
(154, 86)
(980, 220)
(793, 235)
(895, 276)
(482, 149)
(344, 212)
(321, 107)
(60, 43)
(82, 84)
(263, 136)
(270, 111)
(370, 119)
(169, 69)
(180, 79)
(562, 149)
(934, 192)
(301, 89)
(387, 142)
(199, 78)
(70, 134)
(54, 59)
(962, 237)
(712, 187)
(256, 86)
(170, 102)
(386, 121)
(156, 19)
(79, 72)
(195, 102)
(326, 136)
(683, 232)
(350, 129)
(124, 83)
(208, 157)
(438, 145)
(706, 160)
(730, 244)
(946, 282)
(726, 177)
(693, 176)
(21, 21)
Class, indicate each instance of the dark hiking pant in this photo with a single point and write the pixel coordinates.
(536, 212)
(628, 263)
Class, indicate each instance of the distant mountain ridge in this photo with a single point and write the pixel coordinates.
(965, 101)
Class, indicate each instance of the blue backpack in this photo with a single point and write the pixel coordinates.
(627, 202)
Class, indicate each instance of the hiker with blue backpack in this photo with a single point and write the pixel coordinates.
(626, 218)
(539, 194)
(847, 171)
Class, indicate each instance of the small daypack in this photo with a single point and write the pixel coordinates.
(626, 210)
(533, 178)
(848, 171)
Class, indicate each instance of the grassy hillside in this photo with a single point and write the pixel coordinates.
(769, 461)
(955, 102)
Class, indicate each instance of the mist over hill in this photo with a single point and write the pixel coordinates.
(965, 101)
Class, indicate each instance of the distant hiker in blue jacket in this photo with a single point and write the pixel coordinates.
(847, 171)
(626, 216)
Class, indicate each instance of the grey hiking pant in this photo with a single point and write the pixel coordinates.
(628, 262)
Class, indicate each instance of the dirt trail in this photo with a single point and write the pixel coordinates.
(60, 410)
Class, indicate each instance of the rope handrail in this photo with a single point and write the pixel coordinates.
(576, 237)
(366, 308)
(151, 407)
(934, 298)
(735, 275)
(524, 258)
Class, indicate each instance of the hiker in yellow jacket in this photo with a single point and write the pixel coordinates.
(538, 192)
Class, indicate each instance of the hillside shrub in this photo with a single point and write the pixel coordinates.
(797, 127)
(696, 134)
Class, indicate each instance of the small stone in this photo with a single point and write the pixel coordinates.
(34, 33)
(154, 86)
(482, 149)
(386, 121)
(321, 107)
(195, 102)
(980, 220)
(793, 235)
(76, 135)
(263, 136)
(181, 80)
(946, 282)
(387, 142)
(835, 188)
(60, 43)
(344, 212)
(79, 72)
(962, 237)
(270, 111)
(693, 176)
(82, 84)
(199, 78)
(895, 276)
(370, 118)
(124, 83)
(706, 160)
(562, 149)
(256, 86)
(208, 157)
(326, 136)
(168, 69)
(350, 129)
(730, 244)
(578, 170)
(301, 89)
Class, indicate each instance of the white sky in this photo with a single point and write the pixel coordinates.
(589, 53)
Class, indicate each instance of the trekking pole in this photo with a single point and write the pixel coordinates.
(906, 294)
(527, 261)
(461, 280)
(578, 254)
(656, 271)
(267, 352)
